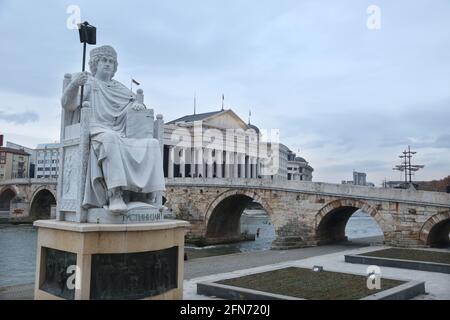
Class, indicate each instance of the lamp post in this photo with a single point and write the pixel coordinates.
(88, 34)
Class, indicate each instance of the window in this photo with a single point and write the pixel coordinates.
(2, 157)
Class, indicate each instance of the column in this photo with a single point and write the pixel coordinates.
(204, 158)
(170, 162)
(199, 159)
(248, 173)
(209, 162)
(235, 165)
(182, 162)
(219, 162)
(192, 171)
(227, 164)
(254, 176)
(242, 165)
(258, 167)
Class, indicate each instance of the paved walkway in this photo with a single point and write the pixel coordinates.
(437, 285)
(238, 261)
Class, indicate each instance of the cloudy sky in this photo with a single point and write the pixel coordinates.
(347, 96)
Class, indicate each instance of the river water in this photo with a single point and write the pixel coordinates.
(18, 244)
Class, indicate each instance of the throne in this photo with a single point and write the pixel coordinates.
(74, 157)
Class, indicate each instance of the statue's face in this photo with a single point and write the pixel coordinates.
(105, 66)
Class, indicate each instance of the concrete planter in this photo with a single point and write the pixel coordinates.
(398, 263)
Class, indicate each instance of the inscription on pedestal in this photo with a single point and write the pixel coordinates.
(58, 268)
(142, 216)
(133, 275)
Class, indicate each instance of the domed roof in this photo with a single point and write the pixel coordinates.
(300, 159)
(251, 126)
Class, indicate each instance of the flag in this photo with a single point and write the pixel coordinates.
(135, 82)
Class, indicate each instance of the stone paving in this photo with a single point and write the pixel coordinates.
(437, 285)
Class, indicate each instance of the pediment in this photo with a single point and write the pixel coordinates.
(227, 119)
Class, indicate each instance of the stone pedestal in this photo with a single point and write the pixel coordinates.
(85, 261)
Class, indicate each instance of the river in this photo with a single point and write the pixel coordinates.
(18, 244)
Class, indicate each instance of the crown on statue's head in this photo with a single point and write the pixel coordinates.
(103, 51)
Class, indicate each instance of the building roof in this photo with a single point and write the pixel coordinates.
(14, 151)
(196, 117)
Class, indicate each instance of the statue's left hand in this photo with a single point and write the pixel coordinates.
(138, 107)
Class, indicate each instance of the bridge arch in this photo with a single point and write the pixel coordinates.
(331, 219)
(6, 195)
(435, 231)
(41, 201)
(223, 214)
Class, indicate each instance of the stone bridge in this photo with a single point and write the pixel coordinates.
(302, 213)
(26, 200)
(308, 213)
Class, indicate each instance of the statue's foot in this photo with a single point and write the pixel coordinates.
(117, 205)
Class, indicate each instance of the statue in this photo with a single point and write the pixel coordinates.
(122, 167)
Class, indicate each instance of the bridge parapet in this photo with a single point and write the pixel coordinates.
(27, 181)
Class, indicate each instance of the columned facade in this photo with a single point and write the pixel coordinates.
(221, 145)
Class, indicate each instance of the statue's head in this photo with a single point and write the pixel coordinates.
(106, 56)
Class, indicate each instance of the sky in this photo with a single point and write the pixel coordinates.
(345, 95)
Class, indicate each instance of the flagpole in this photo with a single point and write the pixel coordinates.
(195, 103)
(131, 87)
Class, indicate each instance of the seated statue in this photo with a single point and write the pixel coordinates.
(121, 169)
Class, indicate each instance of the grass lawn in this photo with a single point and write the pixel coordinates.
(409, 254)
(307, 284)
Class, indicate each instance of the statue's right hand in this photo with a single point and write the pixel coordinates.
(81, 78)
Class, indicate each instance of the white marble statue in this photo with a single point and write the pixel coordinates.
(121, 169)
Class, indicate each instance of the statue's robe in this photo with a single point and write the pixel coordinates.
(115, 160)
